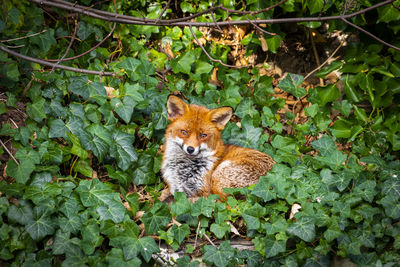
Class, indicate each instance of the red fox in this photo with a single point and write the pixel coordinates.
(196, 160)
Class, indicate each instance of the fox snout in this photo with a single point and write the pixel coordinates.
(191, 150)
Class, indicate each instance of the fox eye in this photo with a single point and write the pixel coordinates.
(203, 136)
(184, 132)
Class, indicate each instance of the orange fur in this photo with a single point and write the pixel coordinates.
(197, 130)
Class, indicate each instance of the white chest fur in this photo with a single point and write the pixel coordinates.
(186, 173)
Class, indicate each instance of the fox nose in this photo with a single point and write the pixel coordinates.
(190, 149)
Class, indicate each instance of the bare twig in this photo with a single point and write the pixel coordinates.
(68, 48)
(259, 28)
(8, 151)
(103, 15)
(23, 37)
(322, 9)
(370, 34)
(314, 48)
(45, 63)
(209, 240)
(163, 11)
(208, 55)
(253, 12)
(94, 47)
(326, 61)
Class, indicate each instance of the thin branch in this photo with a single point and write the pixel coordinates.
(8, 151)
(259, 28)
(209, 240)
(253, 12)
(322, 9)
(68, 48)
(163, 11)
(90, 50)
(208, 55)
(45, 63)
(326, 61)
(370, 34)
(104, 15)
(23, 37)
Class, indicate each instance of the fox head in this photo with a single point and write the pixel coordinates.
(195, 129)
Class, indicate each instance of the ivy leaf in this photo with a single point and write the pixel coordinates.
(144, 173)
(252, 215)
(91, 238)
(36, 110)
(57, 129)
(181, 232)
(387, 14)
(220, 230)
(203, 206)
(38, 194)
(333, 231)
(122, 149)
(44, 40)
(132, 246)
(315, 6)
(253, 258)
(327, 94)
(62, 243)
(21, 213)
(70, 224)
(246, 107)
(79, 86)
(304, 228)
(184, 63)
(291, 84)
(325, 145)
(21, 173)
(203, 67)
(115, 258)
(392, 187)
(274, 247)
(219, 257)
(97, 92)
(124, 108)
(122, 177)
(108, 203)
(181, 205)
(156, 218)
(129, 65)
(262, 190)
(41, 223)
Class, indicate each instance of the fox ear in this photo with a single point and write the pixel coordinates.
(221, 116)
(176, 107)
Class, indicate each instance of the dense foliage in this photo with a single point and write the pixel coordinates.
(84, 183)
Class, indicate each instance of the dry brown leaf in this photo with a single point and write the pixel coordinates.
(166, 47)
(295, 208)
(126, 205)
(110, 91)
(233, 229)
(264, 44)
